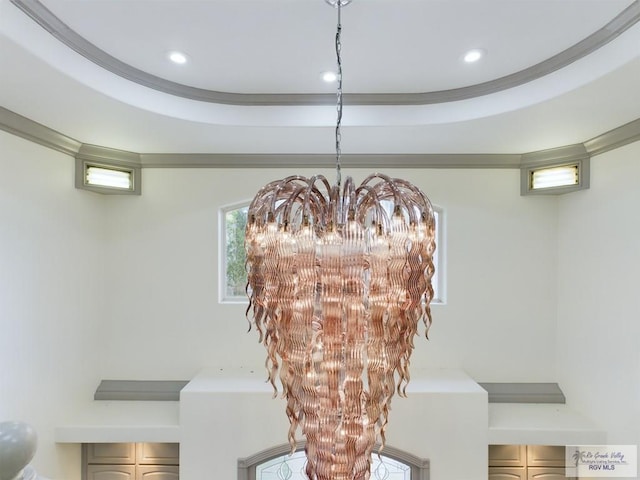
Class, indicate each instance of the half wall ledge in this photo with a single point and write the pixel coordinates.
(541, 424)
(122, 422)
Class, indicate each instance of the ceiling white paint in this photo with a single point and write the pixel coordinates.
(281, 46)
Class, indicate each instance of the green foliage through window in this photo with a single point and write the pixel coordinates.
(236, 275)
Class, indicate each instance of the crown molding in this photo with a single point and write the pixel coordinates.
(169, 160)
(35, 132)
(96, 153)
(56, 27)
(554, 156)
(616, 138)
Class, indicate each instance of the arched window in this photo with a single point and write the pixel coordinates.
(277, 464)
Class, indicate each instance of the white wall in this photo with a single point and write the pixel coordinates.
(227, 415)
(150, 265)
(599, 302)
(51, 243)
(164, 320)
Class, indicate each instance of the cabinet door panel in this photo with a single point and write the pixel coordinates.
(507, 455)
(158, 453)
(111, 472)
(545, 456)
(153, 472)
(113, 453)
(546, 473)
(507, 473)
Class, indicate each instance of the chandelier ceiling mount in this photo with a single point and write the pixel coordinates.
(336, 3)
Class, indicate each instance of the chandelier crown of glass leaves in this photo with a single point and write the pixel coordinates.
(339, 279)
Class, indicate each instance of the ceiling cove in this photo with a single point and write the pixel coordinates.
(56, 27)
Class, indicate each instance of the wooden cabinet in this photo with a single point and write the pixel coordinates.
(547, 473)
(111, 453)
(131, 461)
(158, 453)
(507, 455)
(111, 472)
(155, 472)
(507, 473)
(545, 456)
(527, 462)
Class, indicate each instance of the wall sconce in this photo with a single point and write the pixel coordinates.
(108, 171)
(555, 171)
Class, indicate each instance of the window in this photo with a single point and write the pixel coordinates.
(232, 253)
(277, 464)
(291, 467)
(438, 280)
(233, 278)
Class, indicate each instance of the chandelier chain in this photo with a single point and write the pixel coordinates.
(339, 96)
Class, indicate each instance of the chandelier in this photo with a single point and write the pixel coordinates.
(339, 278)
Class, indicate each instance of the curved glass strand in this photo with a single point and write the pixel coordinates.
(338, 282)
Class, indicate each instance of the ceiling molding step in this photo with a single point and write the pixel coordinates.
(625, 20)
(328, 160)
(524, 393)
(140, 390)
(47, 20)
(34, 132)
(618, 137)
(432, 160)
(111, 156)
(554, 156)
(235, 160)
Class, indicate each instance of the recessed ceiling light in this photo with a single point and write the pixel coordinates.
(178, 57)
(329, 77)
(474, 55)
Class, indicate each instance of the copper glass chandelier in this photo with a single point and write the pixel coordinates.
(339, 278)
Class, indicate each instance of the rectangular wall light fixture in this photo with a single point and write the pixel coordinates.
(550, 177)
(100, 176)
(111, 179)
(108, 171)
(554, 172)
